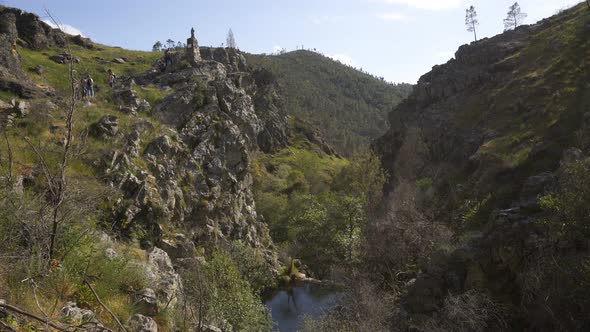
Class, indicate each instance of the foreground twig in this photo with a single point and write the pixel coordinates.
(34, 286)
(104, 306)
(5, 327)
(33, 316)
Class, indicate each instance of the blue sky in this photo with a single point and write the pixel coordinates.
(397, 39)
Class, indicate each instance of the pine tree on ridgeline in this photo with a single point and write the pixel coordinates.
(515, 17)
(471, 21)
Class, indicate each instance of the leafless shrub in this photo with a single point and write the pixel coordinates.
(468, 312)
(362, 308)
(398, 242)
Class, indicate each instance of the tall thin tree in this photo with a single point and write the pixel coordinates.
(515, 17)
(471, 21)
(231, 40)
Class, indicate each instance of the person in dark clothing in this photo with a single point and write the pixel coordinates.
(112, 78)
(90, 86)
(168, 58)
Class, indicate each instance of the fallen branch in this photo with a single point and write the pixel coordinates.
(33, 316)
(104, 306)
(5, 327)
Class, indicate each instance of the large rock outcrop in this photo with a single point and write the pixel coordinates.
(26, 30)
(197, 177)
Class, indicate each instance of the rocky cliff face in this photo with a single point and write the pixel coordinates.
(491, 126)
(197, 177)
(189, 170)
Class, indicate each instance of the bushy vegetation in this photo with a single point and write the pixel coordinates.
(317, 205)
(349, 106)
(217, 293)
(569, 209)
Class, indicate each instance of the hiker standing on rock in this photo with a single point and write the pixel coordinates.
(168, 58)
(90, 86)
(112, 78)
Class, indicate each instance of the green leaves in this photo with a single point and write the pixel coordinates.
(569, 210)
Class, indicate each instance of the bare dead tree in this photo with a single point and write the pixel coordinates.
(57, 183)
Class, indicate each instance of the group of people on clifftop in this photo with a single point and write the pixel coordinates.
(85, 89)
(165, 62)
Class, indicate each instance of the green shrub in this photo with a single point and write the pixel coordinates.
(569, 209)
(221, 296)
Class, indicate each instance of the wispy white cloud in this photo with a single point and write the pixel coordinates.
(392, 16)
(429, 4)
(71, 30)
(342, 58)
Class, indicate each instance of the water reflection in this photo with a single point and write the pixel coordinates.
(290, 307)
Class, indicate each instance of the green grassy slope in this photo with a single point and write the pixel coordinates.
(349, 107)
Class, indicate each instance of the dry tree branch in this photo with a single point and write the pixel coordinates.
(46, 170)
(34, 286)
(104, 305)
(59, 192)
(33, 316)
(5, 327)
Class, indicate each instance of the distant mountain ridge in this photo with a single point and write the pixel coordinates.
(348, 106)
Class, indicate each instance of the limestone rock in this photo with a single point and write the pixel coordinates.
(178, 246)
(111, 253)
(141, 323)
(107, 126)
(71, 313)
(147, 302)
(64, 58)
(19, 108)
(163, 278)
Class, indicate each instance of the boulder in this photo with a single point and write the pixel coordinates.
(178, 246)
(72, 314)
(119, 60)
(107, 126)
(81, 41)
(141, 323)
(125, 96)
(64, 58)
(38, 69)
(147, 302)
(165, 281)
(111, 253)
(19, 108)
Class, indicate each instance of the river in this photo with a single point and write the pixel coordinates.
(307, 300)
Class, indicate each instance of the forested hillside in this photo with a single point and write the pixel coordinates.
(349, 107)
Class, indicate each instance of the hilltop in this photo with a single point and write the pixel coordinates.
(348, 106)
